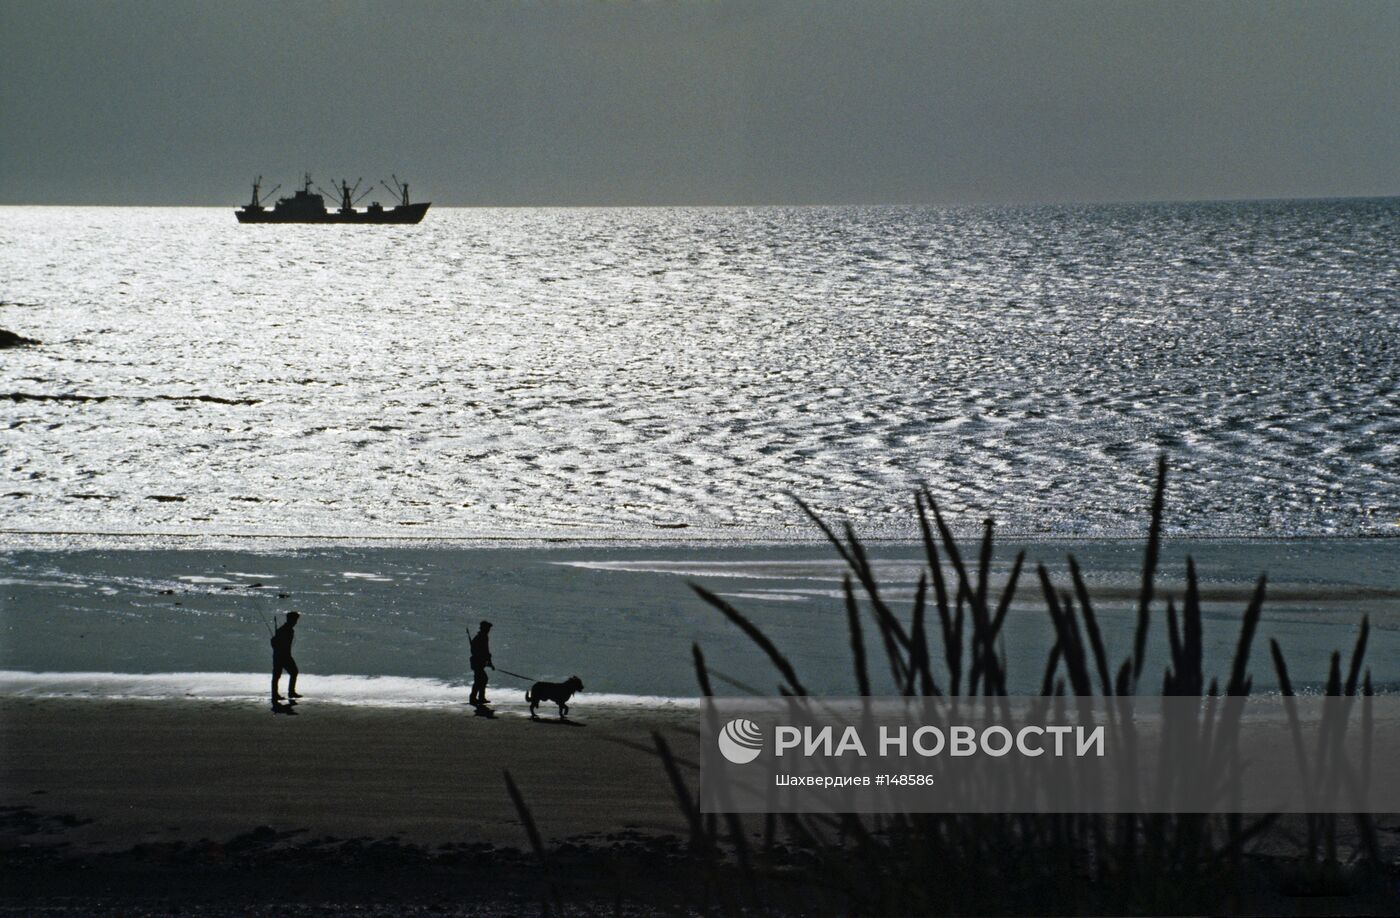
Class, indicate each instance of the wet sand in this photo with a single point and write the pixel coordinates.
(108, 775)
(624, 617)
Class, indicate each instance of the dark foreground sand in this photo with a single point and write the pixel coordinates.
(177, 801)
(162, 771)
(220, 808)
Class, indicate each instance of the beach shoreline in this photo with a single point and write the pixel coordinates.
(622, 619)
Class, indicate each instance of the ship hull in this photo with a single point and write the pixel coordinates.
(409, 213)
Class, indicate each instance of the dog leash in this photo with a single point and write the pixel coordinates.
(516, 675)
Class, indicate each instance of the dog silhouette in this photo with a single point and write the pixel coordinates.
(557, 692)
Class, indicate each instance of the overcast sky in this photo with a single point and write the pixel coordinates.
(701, 102)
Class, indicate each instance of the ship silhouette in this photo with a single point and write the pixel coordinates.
(307, 206)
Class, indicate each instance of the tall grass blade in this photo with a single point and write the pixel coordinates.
(1192, 675)
(532, 832)
(1238, 684)
(865, 573)
(756, 635)
(1071, 648)
(919, 656)
(699, 837)
(984, 562)
(1174, 643)
(702, 675)
(952, 643)
(1091, 625)
(857, 639)
(1357, 654)
(1149, 569)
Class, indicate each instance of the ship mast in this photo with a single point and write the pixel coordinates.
(256, 203)
(347, 194)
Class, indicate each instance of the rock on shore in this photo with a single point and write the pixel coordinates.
(10, 339)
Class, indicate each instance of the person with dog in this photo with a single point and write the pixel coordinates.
(480, 660)
(282, 658)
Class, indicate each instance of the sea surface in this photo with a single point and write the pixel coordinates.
(561, 419)
(639, 372)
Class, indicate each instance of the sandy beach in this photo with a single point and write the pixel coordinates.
(141, 772)
(123, 806)
(222, 808)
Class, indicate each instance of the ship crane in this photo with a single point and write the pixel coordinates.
(347, 192)
(400, 189)
(346, 195)
(257, 196)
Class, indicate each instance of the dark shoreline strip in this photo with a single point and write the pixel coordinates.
(71, 397)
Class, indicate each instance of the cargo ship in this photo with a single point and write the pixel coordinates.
(307, 206)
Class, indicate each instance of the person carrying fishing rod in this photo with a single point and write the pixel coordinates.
(480, 660)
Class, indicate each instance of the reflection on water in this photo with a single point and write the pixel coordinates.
(676, 371)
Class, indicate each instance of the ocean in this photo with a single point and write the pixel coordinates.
(557, 419)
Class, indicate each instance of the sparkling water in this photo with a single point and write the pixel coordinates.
(268, 410)
(653, 372)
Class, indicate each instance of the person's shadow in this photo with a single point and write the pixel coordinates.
(279, 707)
(484, 710)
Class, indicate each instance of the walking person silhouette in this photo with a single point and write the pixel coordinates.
(282, 657)
(480, 660)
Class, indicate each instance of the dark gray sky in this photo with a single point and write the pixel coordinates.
(701, 102)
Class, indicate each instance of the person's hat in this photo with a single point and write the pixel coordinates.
(294, 614)
(485, 624)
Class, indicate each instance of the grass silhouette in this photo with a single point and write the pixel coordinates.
(1016, 863)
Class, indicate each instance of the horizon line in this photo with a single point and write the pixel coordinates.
(1100, 202)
